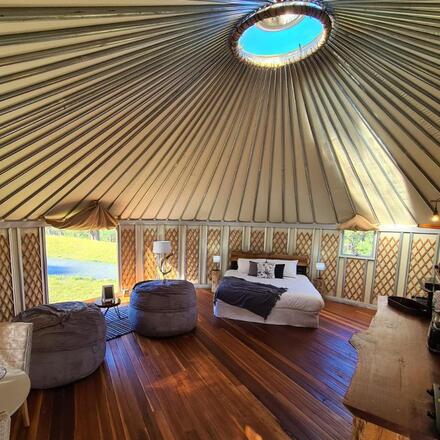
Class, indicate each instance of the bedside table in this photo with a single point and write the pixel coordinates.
(215, 277)
(319, 284)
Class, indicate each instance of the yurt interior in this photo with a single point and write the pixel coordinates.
(219, 219)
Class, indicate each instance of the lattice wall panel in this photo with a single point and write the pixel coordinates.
(192, 243)
(304, 243)
(6, 289)
(214, 248)
(354, 285)
(128, 257)
(235, 241)
(279, 241)
(172, 235)
(329, 255)
(150, 267)
(32, 275)
(422, 262)
(257, 240)
(385, 278)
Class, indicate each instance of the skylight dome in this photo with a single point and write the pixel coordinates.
(281, 33)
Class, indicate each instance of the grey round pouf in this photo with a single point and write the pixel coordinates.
(68, 342)
(160, 309)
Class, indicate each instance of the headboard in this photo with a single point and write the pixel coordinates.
(303, 260)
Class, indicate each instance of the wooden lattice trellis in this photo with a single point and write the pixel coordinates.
(422, 262)
(6, 288)
(32, 274)
(257, 240)
(279, 241)
(354, 285)
(150, 267)
(192, 254)
(304, 243)
(329, 255)
(128, 257)
(235, 241)
(214, 247)
(385, 278)
(172, 235)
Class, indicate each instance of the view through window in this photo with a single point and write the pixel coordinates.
(80, 263)
(358, 244)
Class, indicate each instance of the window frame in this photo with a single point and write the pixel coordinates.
(372, 257)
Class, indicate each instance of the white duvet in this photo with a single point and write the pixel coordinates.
(300, 295)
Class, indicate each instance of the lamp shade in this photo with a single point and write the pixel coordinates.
(216, 259)
(161, 247)
(320, 266)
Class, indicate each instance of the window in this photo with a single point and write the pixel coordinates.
(358, 244)
(79, 263)
(281, 33)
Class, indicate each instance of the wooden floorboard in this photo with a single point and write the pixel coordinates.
(226, 380)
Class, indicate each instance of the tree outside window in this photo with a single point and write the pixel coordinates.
(358, 244)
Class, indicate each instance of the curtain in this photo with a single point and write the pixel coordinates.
(358, 223)
(92, 217)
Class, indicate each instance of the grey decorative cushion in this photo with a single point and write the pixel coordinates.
(68, 342)
(265, 270)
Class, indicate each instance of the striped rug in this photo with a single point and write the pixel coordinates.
(116, 326)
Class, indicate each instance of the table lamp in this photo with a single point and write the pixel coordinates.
(320, 267)
(162, 251)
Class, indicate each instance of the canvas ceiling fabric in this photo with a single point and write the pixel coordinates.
(146, 109)
(90, 218)
(358, 223)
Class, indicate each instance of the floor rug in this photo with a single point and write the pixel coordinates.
(117, 326)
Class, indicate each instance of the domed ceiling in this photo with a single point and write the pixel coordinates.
(146, 109)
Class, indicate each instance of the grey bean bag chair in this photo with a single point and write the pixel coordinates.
(159, 309)
(68, 342)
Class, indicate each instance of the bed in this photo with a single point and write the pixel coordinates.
(299, 306)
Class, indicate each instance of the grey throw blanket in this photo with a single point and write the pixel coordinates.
(258, 298)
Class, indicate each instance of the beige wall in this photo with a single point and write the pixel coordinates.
(402, 257)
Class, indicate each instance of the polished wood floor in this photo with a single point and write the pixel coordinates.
(226, 380)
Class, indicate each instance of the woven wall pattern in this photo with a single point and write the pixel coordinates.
(354, 286)
(257, 240)
(279, 241)
(304, 243)
(128, 257)
(329, 255)
(6, 290)
(235, 241)
(421, 263)
(214, 248)
(385, 277)
(32, 276)
(172, 235)
(192, 254)
(150, 266)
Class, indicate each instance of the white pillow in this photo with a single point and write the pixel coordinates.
(243, 264)
(290, 267)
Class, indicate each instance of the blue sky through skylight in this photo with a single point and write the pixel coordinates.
(258, 41)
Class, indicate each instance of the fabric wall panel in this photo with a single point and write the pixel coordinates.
(257, 240)
(387, 263)
(128, 256)
(354, 279)
(7, 309)
(33, 284)
(213, 247)
(172, 235)
(422, 257)
(329, 256)
(150, 267)
(280, 240)
(192, 252)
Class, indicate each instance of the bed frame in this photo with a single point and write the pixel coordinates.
(303, 260)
